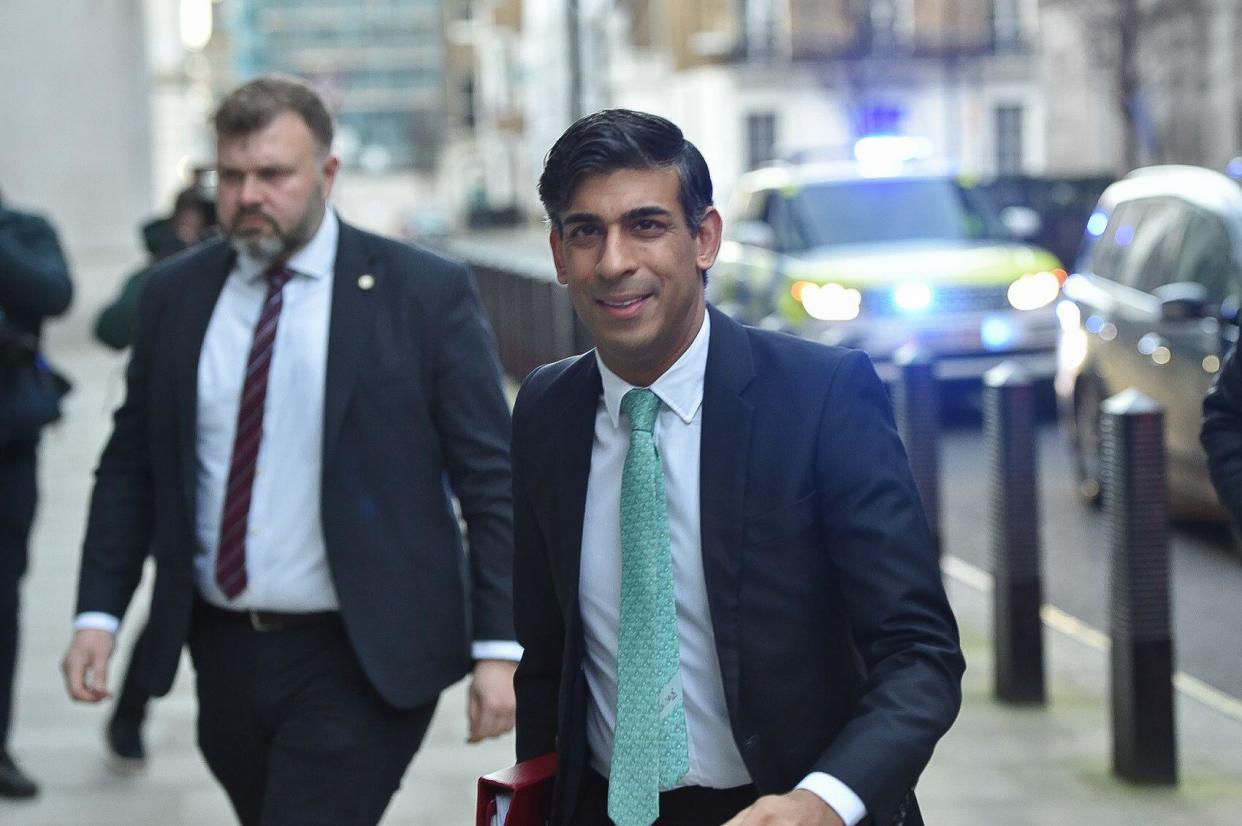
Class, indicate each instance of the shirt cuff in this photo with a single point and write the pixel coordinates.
(495, 650)
(836, 794)
(96, 619)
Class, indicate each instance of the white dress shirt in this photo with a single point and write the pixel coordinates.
(715, 761)
(286, 559)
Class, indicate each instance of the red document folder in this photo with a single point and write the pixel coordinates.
(520, 795)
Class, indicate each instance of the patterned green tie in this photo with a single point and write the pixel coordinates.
(649, 752)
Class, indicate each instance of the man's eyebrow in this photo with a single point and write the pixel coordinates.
(581, 218)
(646, 212)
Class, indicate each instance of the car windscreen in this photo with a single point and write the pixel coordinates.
(878, 211)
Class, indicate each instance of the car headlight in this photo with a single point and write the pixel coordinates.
(913, 298)
(827, 302)
(1030, 292)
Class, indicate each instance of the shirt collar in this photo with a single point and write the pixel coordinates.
(680, 387)
(316, 259)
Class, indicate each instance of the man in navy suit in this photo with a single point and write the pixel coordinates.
(300, 399)
(815, 660)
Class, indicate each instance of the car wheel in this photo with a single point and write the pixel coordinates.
(1087, 441)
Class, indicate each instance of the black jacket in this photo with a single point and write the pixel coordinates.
(412, 401)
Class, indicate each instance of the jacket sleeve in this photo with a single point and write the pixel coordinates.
(900, 618)
(119, 527)
(34, 278)
(115, 324)
(1221, 435)
(472, 418)
(540, 626)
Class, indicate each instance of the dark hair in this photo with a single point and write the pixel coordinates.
(617, 139)
(193, 198)
(254, 105)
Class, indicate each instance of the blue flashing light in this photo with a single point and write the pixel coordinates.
(890, 149)
(1097, 223)
(1125, 234)
(913, 298)
(1094, 324)
(1234, 168)
(996, 333)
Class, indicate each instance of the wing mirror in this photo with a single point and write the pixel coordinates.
(1183, 301)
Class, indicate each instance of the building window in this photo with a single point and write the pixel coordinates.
(1008, 140)
(760, 139)
(1006, 24)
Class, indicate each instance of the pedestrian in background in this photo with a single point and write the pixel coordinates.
(192, 220)
(34, 285)
(301, 398)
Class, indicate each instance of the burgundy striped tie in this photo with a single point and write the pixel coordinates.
(231, 549)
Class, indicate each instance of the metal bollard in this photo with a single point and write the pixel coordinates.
(1136, 505)
(917, 409)
(1009, 434)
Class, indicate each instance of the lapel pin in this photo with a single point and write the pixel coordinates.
(366, 281)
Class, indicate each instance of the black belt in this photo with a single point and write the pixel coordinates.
(687, 804)
(271, 621)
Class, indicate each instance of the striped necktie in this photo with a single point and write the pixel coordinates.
(231, 549)
(650, 750)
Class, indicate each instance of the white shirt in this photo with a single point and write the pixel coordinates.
(286, 558)
(715, 761)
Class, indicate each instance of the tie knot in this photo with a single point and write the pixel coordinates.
(277, 277)
(641, 405)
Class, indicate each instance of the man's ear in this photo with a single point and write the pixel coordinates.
(707, 242)
(558, 257)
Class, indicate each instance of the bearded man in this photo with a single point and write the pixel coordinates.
(298, 394)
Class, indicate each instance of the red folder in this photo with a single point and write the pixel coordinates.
(520, 795)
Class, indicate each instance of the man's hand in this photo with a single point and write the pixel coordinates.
(798, 808)
(491, 699)
(85, 665)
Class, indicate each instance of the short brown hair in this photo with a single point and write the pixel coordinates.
(255, 104)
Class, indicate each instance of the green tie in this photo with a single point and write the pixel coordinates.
(649, 752)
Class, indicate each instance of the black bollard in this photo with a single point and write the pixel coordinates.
(1013, 518)
(917, 408)
(1137, 509)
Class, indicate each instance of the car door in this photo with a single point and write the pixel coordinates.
(1185, 354)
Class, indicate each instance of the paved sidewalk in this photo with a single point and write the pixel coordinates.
(998, 766)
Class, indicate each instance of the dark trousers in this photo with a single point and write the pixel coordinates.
(18, 497)
(691, 806)
(131, 703)
(290, 725)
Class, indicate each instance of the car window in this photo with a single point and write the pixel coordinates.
(1115, 242)
(878, 211)
(785, 230)
(1206, 256)
(1148, 262)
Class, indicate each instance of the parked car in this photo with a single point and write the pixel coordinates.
(878, 261)
(1153, 304)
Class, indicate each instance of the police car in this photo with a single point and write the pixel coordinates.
(880, 256)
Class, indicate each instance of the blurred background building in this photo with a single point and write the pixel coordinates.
(446, 107)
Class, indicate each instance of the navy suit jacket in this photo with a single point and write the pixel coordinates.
(412, 401)
(838, 650)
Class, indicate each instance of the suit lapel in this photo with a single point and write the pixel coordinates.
(354, 300)
(724, 449)
(199, 295)
(574, 437)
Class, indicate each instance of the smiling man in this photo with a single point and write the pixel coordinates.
(297, 395)
(724, 581)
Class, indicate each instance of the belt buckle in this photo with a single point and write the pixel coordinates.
(259, 624)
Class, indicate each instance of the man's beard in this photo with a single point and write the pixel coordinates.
(279, 244)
